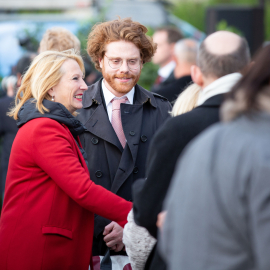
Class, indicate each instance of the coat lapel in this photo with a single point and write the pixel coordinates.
(98, 122)
(131, 116)
(100, 125)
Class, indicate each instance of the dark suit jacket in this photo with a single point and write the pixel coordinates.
(167, 81)
(8, 131)
(174, 89)
(164, 151)
(110, 165)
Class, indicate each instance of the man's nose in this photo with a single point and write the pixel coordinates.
(124, 67)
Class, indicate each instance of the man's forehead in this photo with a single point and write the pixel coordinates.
(160, 36)
(122, 49)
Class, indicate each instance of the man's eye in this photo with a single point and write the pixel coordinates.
(75, 78)
(115, 61)
(132, 62)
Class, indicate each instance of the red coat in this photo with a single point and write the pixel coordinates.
(48, 213)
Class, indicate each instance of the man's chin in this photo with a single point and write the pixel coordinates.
(123, 87)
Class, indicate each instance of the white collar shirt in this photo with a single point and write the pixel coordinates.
(165, 71)
(108, 96)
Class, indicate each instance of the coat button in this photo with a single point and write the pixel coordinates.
(94, 140)
(143, 138)
(135, 170)
(98, 174)
(132, 133)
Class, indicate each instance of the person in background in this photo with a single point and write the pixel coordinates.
(59, 39)
(47, 220)
(229, 56)
(118, 136)
(8, 127)
(91, 74)
(165, 38)
(187, 100)
(218, 207)
(185, 55)
(138, 242)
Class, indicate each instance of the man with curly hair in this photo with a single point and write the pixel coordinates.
(120, 116)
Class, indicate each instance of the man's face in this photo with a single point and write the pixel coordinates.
(120, 80)
(164, 51)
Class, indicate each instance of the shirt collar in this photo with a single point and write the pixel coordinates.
(165, 71)
(108, 95)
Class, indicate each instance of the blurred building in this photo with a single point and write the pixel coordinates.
(19, 16)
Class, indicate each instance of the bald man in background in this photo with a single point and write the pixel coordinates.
(185, 54)
(222, 57)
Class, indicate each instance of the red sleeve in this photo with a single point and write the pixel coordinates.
(53, 153)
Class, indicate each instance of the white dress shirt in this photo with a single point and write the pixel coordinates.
(108, 96)
(165, 71)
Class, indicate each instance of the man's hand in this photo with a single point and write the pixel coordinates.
(113, 236)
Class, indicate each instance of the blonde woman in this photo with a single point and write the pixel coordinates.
(47, 220)
(187, 100)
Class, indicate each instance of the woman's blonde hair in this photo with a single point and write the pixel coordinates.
(187, 100)
(44, 73)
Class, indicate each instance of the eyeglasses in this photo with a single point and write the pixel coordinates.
(116, 63)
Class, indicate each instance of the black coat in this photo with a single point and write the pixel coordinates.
(110, 165)
(164, 83)
(164, 151)
(173, 90)
(8, 131)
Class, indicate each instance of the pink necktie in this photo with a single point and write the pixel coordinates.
(116, 119)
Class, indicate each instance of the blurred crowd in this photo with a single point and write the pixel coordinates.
(200, 189)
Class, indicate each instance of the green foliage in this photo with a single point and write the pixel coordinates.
(191, 12)
(223, 26)
(194, 12)
(83, 32)
(267, 20)
(40, 11)
(148, 75)
(237, 2)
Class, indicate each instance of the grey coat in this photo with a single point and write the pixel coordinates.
(219, 201)
(110, 165)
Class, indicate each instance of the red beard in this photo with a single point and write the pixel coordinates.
(121, 87)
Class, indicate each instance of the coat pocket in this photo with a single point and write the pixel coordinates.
(55, 230)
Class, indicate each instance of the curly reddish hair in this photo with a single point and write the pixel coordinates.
(116, 30)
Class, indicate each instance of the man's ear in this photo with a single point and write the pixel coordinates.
(196, 75)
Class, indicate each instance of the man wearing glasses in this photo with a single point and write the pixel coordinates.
(120, 116)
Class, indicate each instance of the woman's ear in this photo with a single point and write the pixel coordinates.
(196, 75)
(51, 92)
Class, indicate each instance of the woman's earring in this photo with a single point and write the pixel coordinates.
(52, 98)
